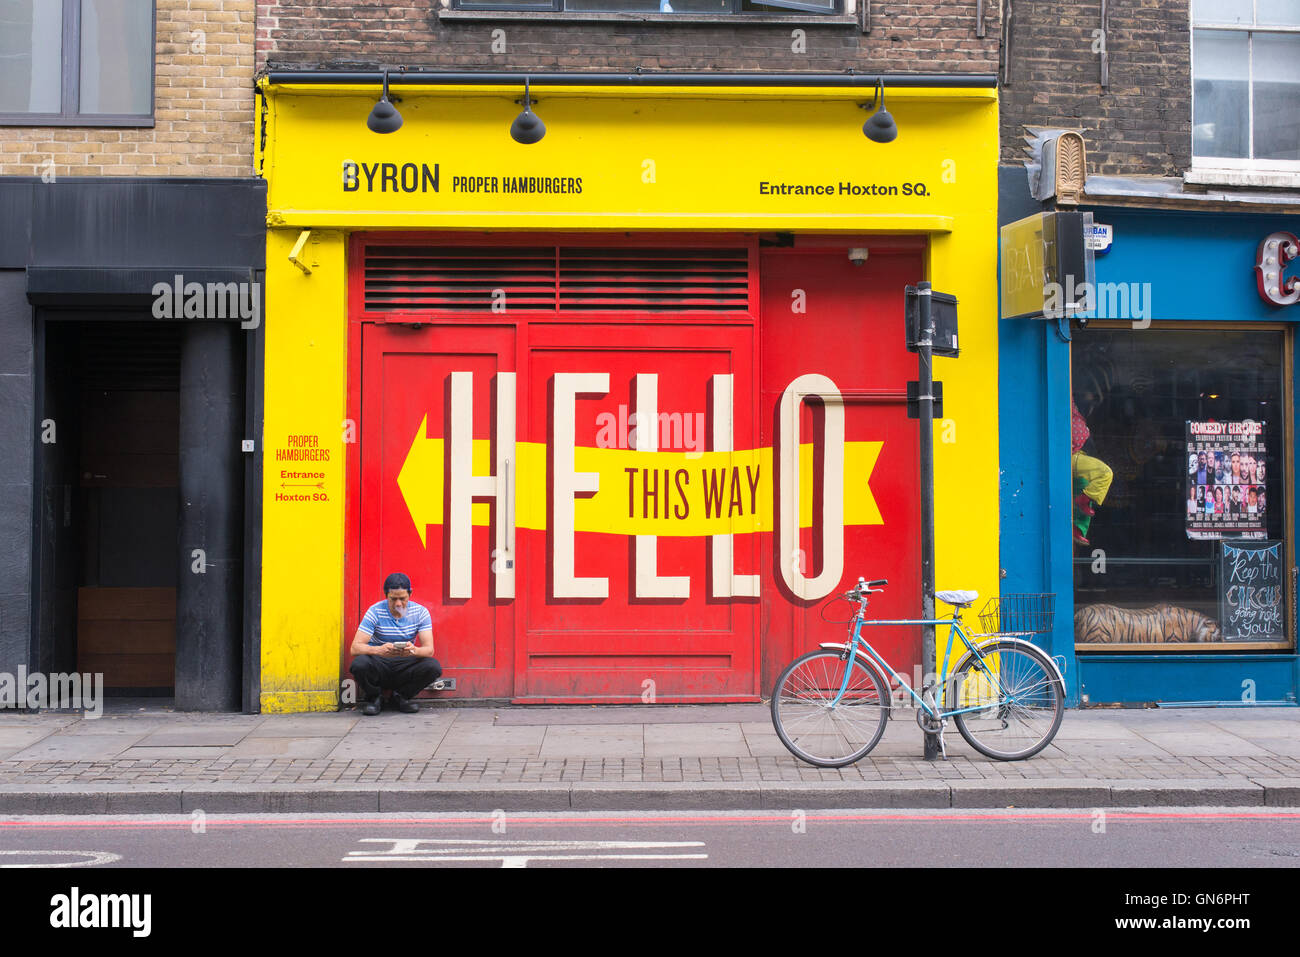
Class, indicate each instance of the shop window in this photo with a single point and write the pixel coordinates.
(1188, 549)
(76, 62)
(705, 7)
(1245, 84)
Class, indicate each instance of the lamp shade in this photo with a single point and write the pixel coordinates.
(880, 127)
(528, 127)
(384, 117)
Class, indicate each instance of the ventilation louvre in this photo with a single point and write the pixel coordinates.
(414, 279)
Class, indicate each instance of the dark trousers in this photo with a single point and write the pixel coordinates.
(406, 676)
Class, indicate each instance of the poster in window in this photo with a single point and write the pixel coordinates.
(1225, 480)
(1250, 591)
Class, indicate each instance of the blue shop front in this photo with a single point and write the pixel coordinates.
(1148, 460)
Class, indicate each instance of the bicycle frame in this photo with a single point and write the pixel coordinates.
(938, 712)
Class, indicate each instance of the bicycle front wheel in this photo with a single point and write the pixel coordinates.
(1020, 700)
(817, 728)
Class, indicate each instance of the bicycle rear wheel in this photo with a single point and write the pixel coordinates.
(829, 736)
(1020, 704)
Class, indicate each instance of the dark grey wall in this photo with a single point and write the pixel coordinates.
(17, 388)
(54, 590)
(133, 222)
(1014, 199)
(99, 244)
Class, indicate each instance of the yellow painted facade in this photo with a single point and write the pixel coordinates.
(645, 159)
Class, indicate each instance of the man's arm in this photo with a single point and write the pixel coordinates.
(424, 648)
(361, 645)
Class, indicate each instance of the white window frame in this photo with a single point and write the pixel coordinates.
(1236, 171)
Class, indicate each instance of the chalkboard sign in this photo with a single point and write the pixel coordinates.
(1250, 591)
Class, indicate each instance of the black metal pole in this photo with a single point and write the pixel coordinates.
(925, 404)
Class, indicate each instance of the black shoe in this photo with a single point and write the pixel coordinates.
(405, 705)
(372, 706)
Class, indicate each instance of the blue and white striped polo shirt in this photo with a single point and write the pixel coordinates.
(383, 627)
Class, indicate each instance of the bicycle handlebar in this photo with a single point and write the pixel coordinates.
(865, 588)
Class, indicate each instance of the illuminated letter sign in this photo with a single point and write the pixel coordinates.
(1274, 253)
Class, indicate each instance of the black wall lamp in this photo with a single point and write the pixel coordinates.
(384, 118)
(528, 127)
(880, 127)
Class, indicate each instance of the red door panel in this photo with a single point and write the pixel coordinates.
(405, 494)
(599, 619)
(851, 332)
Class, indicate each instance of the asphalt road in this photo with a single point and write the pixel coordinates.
(1228, 837)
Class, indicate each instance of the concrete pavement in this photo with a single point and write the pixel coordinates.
(144, 758)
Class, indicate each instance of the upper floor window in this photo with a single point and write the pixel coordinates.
(706, 7)
(76, 62)
(1246, 84)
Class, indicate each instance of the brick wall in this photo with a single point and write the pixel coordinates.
(203, 107)
(937, 37)
(1140, 124)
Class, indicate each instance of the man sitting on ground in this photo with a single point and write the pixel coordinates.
(385, 655)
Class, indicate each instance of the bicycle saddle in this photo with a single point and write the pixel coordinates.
(958, 599)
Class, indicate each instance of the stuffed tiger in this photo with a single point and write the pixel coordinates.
(1109, 625)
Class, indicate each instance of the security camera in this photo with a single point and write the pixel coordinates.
(858, 255)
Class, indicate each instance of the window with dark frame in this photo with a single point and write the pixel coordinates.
(76, 62)
(705, 7)
(1137, 392)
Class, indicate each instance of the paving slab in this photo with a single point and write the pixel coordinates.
(1202, 744)
(694, 740)
(475, 741)
(76, 747)
(1254, 727)
(129, 726)
(194, 737)
(19, 719)
(1094, 731)
(304, 747)
(377, 746)
(1170, 724)
(306, 725)
(179, 751)
(593, 741)
(1137, 747)
(1290, 747)
(16, 738)
(394, 722)
(761, 740)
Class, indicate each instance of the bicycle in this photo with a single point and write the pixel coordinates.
(830, 706)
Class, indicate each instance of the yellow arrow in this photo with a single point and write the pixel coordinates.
(644, 493)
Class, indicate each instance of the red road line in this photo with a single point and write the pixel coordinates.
(185, 822)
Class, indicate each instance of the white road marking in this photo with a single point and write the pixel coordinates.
(517, 853)
(96, 858)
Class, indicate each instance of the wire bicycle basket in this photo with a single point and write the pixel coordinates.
(1025, 614)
